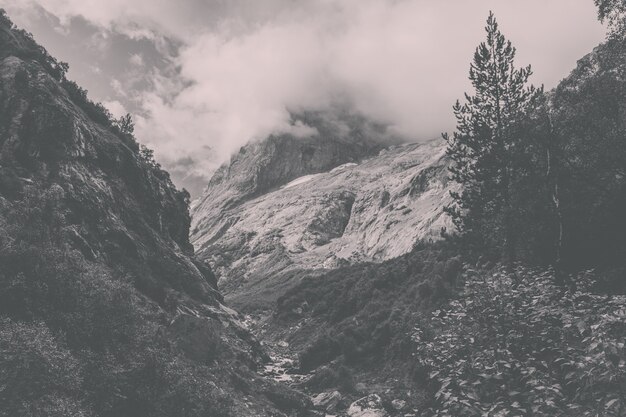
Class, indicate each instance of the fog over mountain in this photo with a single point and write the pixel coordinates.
(336, 256)
(202, 78)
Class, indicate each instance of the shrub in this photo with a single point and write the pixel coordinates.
(520, 345)
(367, 310)
(38, 375)
(321, 351)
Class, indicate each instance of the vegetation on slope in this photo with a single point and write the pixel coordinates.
(104, 311)
(358, 319)
(78, 340)
(537, 341)
(518, 344)
(518, 340)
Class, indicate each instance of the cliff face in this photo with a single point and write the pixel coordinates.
(118, 208)
(262, 166)
(371, 210)
(99, 285)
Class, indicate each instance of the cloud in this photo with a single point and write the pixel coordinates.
(238, 67)
(136, 60)
(116, 108)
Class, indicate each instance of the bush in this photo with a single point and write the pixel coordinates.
(38, 375)
(323, 350)
(517, 344)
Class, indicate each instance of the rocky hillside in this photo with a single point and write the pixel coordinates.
(262, 166)
(100, 292)
(371, 210)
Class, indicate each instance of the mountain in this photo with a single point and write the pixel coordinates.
(332, 262)
(104, 308)
(340, 137)
(369, 210)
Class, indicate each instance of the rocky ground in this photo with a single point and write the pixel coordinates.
(373, 399)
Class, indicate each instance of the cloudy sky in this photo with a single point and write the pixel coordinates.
(203, 77)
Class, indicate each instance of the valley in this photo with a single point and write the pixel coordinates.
(347, 272)
(329, 269)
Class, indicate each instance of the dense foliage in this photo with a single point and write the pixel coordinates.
(521, 345)
(75, 339)
(362, 314)
(587, 134)
(542, 175)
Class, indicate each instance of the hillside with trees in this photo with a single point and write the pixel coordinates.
(544, 196)
(533, 322)
(104, 309)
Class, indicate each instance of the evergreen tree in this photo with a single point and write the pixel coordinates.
(487, 142)
(125, 124)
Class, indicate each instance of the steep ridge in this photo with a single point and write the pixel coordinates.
(100, 291)
(373, 210)
(262, 166)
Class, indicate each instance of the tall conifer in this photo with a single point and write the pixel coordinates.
(487, 138)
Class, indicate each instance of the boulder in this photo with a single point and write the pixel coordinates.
(398, 404)
(327, 401)
(370, 406)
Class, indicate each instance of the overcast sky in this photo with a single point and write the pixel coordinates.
(203, 77)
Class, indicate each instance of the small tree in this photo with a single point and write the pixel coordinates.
(487, 141)
(125, 124)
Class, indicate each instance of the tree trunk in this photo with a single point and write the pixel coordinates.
(553, 179)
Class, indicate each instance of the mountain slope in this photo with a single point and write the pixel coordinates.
(262, 166)
(357, 212)
(104, 309)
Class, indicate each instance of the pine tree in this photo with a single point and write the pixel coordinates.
(486, 143)
(125, 124)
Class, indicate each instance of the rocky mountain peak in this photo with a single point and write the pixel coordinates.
(363, 210)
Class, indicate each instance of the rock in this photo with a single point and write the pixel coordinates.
(327, 401)
(398, 404)
(370, 406)
(287, 399)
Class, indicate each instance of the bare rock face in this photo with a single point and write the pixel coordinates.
(367, 211)
(262, 166)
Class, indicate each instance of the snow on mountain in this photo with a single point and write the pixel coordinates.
(373, 210)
